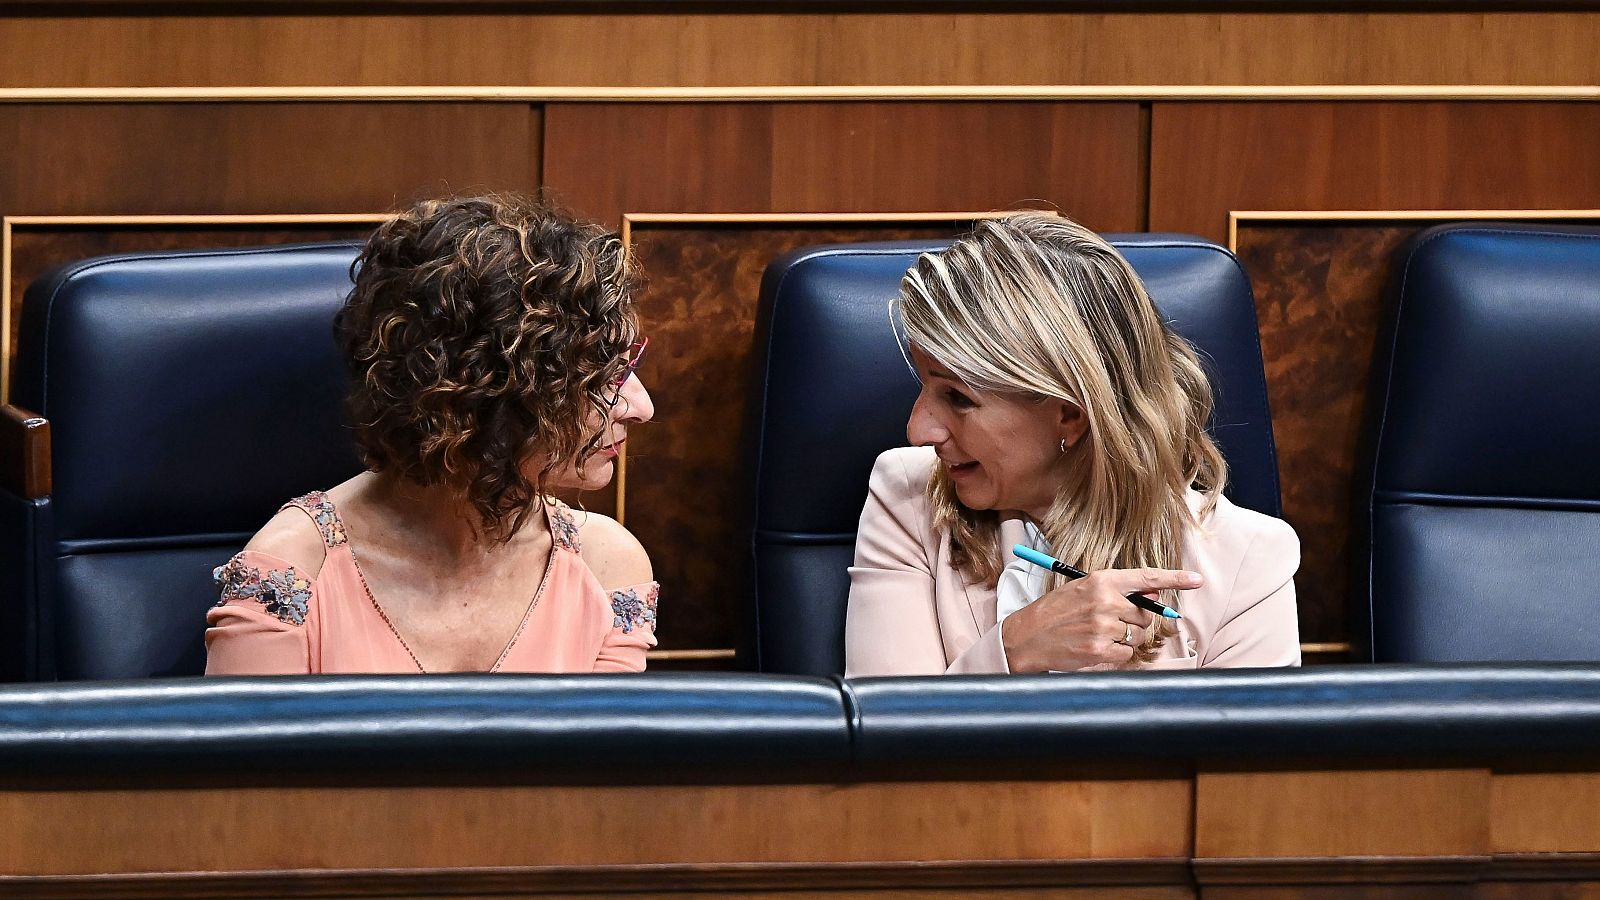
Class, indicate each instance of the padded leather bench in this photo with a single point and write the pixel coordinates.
(784, 728)
(1235, 714)
(620, 728)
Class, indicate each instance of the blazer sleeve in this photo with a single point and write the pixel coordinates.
(1260, 626)
(891, 621)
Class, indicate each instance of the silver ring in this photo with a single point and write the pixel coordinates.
(1127, 635)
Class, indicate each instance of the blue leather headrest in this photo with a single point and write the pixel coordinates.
(1494, 365)
(1483, 495)
(187, 392)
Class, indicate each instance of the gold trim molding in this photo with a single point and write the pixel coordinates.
(691, 655)
(796, 93)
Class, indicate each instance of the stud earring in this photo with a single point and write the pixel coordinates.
(1063, 445)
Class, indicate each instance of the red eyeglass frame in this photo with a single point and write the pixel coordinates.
(635, 357)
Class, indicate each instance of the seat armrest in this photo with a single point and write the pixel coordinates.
(24, 453)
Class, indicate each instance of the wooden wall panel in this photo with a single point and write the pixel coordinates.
(1207, 159)
(610, 159)
(231, 158)
(738, 48)
(1545, 812)
(1373, 813)
(1456, 891)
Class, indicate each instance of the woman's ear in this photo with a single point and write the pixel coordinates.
(1073, 423)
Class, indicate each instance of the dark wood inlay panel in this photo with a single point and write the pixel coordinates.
(1318, 291)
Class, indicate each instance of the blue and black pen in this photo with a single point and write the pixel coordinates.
(1045, 561)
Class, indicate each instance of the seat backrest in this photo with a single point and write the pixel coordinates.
(837, 393)
(189, 394)
(1482, 494)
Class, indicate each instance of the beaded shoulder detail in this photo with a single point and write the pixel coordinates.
(317, 505)
(635, 607)
(562, 528)
(284, 592)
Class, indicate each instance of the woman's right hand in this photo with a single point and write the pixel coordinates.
(1083, 623)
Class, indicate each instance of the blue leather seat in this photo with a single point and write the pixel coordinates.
(1482, 495)
(188, 395)
(836, 393)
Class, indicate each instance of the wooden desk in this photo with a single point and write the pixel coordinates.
(1485, 831)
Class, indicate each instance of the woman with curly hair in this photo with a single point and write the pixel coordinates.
(492, 343)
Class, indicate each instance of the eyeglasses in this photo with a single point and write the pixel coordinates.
(635, 356)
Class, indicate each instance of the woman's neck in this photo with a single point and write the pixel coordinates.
(439, 517)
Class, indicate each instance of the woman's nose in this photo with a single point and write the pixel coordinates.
(636, 406)
(923, 429)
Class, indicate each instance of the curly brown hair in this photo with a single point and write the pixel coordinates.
(483, 331)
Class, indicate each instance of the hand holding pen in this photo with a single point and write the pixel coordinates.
(1095, 618)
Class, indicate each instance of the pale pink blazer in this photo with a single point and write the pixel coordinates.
(912, 613)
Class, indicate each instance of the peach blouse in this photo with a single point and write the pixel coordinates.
(272, 620)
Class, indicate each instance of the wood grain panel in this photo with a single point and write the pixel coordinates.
(1207, 159)
(24, 454)
(1545, 812)
(700, 314)
(654, 47)
(242, 829)
(588, 884)
(1544, 890)
(258, 158)
(610, 159)
(1343, 892)
(1083, 158)
(1387, 813)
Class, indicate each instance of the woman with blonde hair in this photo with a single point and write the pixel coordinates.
(492, 343)
(1057, 411)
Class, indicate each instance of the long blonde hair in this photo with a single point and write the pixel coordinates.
(1039, 306)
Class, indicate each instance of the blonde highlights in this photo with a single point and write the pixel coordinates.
(1039, 306)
